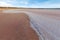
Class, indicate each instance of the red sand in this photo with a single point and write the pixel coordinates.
(16, 27)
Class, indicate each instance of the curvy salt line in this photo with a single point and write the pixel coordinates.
(35, 28)
(46, 25)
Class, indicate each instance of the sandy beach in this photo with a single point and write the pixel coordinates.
(16, 27)
(46, 24)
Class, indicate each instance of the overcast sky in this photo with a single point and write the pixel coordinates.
(30, 3)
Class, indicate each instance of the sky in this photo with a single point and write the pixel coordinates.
(30, 3)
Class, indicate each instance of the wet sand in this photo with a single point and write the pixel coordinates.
(16, 27)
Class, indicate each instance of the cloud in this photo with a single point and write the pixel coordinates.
(5, 4)
(23, 2)
(31, 3)
(50, 4)
(46, 4)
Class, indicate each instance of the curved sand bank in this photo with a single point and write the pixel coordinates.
(16, 27)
